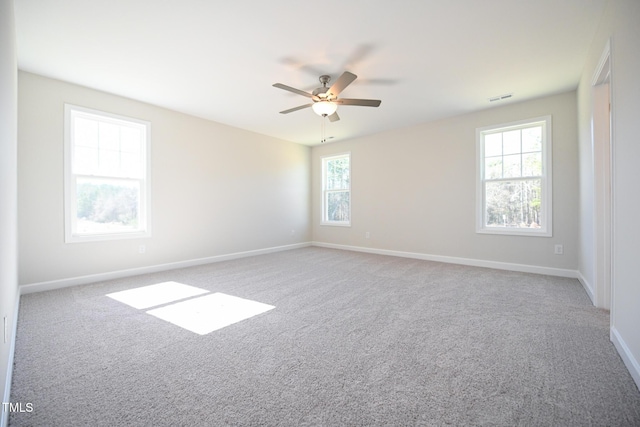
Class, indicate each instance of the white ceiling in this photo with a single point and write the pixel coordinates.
(425, 59)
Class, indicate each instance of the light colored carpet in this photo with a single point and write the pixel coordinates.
(354, 340)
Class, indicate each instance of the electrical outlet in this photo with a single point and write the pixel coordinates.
(367, 235)
(142, 249)
(558, 250)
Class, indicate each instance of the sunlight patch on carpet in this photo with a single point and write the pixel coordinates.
(186, 306)
(208, 313)
(158, 294)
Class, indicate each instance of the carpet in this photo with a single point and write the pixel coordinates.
(353, 339)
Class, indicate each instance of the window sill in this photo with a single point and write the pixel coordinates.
(336, 224)
(106, 237)
(515, 232)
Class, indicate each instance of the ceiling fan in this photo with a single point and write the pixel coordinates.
(325, 99)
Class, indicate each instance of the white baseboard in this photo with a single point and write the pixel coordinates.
(83, 280)
(560, 272)
(627, 357)
(4, 415)
(587, 287)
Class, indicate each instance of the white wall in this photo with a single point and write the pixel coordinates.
(620, 25)
(414, 189)
(8, 197)
(215, 189)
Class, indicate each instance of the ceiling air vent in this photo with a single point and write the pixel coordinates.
(500, 97)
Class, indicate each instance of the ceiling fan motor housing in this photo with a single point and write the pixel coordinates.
(322, 92)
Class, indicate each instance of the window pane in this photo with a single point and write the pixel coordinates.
(532, 164)
(338, 206)
(85, 160)
(105, 206)
(337, 174)
(109, 163)
(512, 166)
(493, 168)
(130, 139)
(107, 149)
(511, 142)
(86, 132)
(109, 136)
(532, 139)
(131, 165)
(493, 145)
(514, 204)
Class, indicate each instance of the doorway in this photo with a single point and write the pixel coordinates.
(602, 161)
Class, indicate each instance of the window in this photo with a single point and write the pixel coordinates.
(514, 182)
(336, 190)
(106, 176)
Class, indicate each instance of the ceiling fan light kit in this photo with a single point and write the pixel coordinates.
(325, 99)
(324, 108)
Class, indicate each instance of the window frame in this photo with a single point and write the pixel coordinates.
(546, 185)
(324, 217)
(70, 200)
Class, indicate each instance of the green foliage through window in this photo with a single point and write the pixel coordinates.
(107, 175)
(514, 176)
(103, 202)
(336, 175)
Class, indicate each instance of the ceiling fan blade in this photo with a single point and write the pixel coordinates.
(360, 102)
(359, 54)
(334, 117)
(293, 89)
(379, 82)
(291, 110)
(343, 81)
(300, 65)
